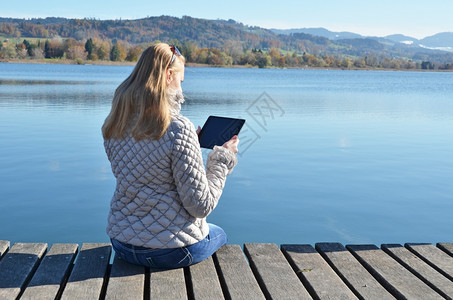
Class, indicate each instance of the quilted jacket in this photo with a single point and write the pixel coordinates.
(163, 191)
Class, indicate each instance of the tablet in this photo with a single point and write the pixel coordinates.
(218, 130)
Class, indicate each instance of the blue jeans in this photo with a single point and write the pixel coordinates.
(166, 259)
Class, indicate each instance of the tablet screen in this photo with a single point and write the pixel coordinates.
(218, 130)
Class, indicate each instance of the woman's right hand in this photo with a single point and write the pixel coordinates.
(232, 144)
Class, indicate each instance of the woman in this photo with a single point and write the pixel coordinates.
(163, 193)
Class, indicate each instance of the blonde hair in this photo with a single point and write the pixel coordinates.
(143, 97)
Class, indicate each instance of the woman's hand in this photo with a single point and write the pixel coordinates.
(232, 144)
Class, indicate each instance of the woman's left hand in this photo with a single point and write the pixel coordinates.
(232, 144)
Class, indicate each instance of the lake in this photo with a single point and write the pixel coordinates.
(325, 155)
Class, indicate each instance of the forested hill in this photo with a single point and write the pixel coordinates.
(205, 33)
(228, 36)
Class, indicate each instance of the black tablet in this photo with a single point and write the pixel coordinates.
(218, 130)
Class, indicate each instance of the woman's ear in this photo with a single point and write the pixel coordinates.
(169, 76)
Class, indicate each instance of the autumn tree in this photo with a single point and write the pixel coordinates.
(8, 51)
(133, 53)
(234, 49)
(249, 58)
(76, 52)
(275, 56)
(103, 50)
(53, 49)
(21, 50)
(263, 60)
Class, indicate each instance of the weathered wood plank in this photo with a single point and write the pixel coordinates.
(352, 272)
(51, 273)
(205, 282)
(446, 247)
(235, 274)
(4, 246)
(273, 272)
(435, 257)
(421, 269)
(393, 276)
(127, 281)
(315, 273)
(87, 277)
(17, 267)
(169, 284)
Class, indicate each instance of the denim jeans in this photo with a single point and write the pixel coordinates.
(165, 259)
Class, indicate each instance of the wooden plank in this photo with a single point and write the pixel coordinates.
(17, 267)
(87, 277)
(446, 247)
(358, 279)
(204, 281)
(393, 276)
(4, 246)
(169, 284)
(235, 274)
(52, 272)
(435, 257)
(273, 272)
(319, 279)
(421, 269)
(127, 281)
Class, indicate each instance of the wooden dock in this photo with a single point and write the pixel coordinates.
(258, 271)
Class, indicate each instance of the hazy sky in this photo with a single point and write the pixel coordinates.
(415, 18)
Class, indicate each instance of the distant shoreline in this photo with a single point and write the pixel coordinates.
(125, 63)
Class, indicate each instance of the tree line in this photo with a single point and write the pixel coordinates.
(232, 53)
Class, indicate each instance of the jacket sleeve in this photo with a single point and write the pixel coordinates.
(199, 189)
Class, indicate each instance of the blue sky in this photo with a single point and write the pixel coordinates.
(375, 17)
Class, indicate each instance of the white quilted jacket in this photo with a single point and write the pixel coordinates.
(163, 191)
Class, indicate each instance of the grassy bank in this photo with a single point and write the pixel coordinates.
(126, 63)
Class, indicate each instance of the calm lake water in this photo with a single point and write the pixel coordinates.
(326, 155)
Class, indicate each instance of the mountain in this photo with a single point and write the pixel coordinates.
(399, 38)
(48, 20)
(331, 35)
(233, 37)
(440, 41)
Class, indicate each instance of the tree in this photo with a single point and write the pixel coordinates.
(37, 53)
(123, 51)
(189, 50)
(103, 50)
(263, 60)
(76, 52)
(53, 49)
(346, 63)
(115, 53)
(47, 49)
(89, 47)
(133, 54)
(359, 62)
(21, 50)
(8, 51)
(275, 56)
(248, 59)
(427, 65)
(233, 49)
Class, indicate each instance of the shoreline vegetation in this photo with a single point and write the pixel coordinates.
(101, 52)
(190, 64)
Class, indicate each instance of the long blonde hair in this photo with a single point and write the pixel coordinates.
(143, 97)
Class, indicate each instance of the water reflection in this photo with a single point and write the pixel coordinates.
(22, 82)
